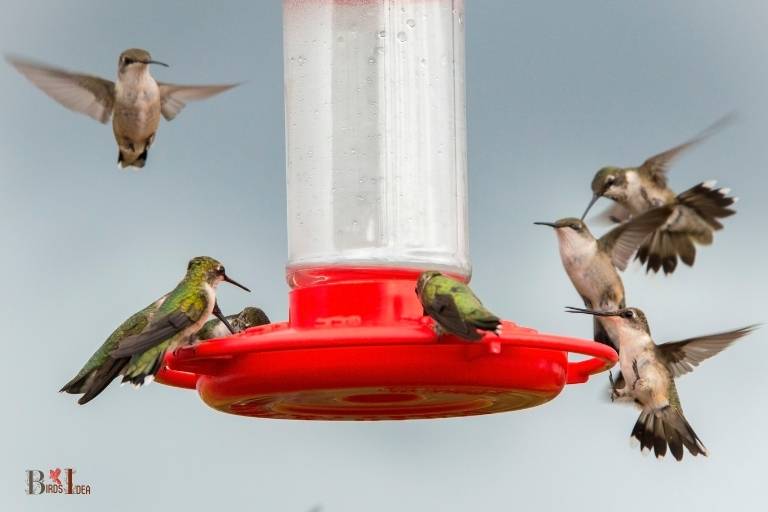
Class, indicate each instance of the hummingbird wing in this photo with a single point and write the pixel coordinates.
(446, 312)
(173, 98)
(658, 165)
(89, 95)
(681, 357)
(614, 214)
(163, 327)
(625, 239)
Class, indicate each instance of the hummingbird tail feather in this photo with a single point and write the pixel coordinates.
(101, 379)
(131, 159)
(492, 324)
(144, 374)
(693, 222)
(709, 203)
(666, 426)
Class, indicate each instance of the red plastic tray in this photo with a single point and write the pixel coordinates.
(358, 348)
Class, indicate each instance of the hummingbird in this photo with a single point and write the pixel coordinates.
(248, 317)
(134, 101)
(592, 263)
(454, 308)
(136, 348)
(648, 373)
(697, 210)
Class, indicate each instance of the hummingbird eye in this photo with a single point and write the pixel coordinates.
(628, 314)
(575, 227)
(220, 270)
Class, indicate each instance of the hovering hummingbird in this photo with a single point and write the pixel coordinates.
(591, 263)
(249, 317)
(648, 373)
(697, 210)
(135, 350)
(453, 306)
(135, 101)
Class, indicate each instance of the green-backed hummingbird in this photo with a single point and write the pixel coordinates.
(248, 317)
(638, 189)
(648, 373)
(454, 308)
(592, 263)
(135, 101)
(135, 350)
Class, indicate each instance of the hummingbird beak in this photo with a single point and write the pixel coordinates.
(157, 62)
(218, 314)
(550, 224)
(232, 281)
(571, 309)
(595, 197)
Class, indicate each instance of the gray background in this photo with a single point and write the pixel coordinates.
(555, 90)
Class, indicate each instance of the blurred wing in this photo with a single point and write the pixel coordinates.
(160, 329)
(682, 356)
(445, 311)
(89, 95)
(658, 165)
(614, 214)
(175, 97)
(624, 240)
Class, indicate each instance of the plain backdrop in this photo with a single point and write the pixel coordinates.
(555, 91)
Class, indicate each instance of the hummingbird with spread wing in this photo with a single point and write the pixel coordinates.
(648, 373)
(134, 102)
(136, 348)
(592, 264)
(454, 307)
(697, 211)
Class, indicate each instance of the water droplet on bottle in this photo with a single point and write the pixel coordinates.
(461, 18)
(380, 50)
(411, 22)
(382, 33)
(301, 60)
(423, 61)
(401, 36)
(371, 60)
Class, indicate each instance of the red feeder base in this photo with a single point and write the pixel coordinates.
(358, 348)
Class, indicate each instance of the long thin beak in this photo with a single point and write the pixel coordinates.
(571, 309)
(157, 62)
(595, 197)
(232, 281)
(550, 224)
(218, 314)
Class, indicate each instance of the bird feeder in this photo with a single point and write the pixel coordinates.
(377, 193)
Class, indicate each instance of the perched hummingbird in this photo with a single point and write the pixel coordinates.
(249, 317)
(135, 350)
(135, 101)
(697, 210)
(453, 306)
(648, 373)
(591, 263)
